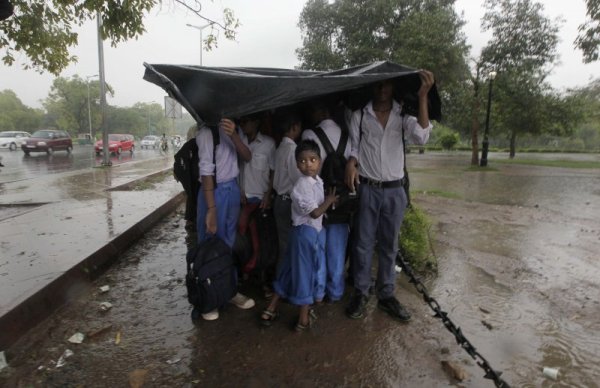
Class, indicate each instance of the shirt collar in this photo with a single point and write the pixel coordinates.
(396, 108)
(287, 140)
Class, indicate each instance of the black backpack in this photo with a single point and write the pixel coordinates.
(185, 167)
(211, 279)
(333, 172)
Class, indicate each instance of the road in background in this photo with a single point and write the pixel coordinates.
(18, 166)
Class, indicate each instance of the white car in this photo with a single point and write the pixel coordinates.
(13, 139)
(150, 141)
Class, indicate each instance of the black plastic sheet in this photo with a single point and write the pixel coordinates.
(210, 93)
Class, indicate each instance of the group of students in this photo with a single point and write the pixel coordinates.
(246, 167)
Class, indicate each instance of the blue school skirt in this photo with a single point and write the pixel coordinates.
(297, 275)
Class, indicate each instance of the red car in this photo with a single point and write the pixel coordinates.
(48, 141)
(117, 143)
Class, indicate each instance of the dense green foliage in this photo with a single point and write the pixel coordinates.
(415, 240)
(45, 30)
(418, 33)
(522, 51)
(588, 39)
(16, 116)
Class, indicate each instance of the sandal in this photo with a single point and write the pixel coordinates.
(271, 316)
(312, 317)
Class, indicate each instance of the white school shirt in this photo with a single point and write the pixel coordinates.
(380, 153)
(286, 168)
(307, 195)
(254, 175)
(333, 133)
(226, 158)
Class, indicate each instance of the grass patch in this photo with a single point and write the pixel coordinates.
(551, 163)
(414, 241)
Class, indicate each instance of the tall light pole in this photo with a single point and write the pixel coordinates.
(200, 28)
(87, 79)
(486, 143)
(105, 157)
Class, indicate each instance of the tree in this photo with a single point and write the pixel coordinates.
(586, 102)
(67, 104)
(155, 122)
(417, 33)
(522, 50)
(588, 39)
(44, 30)
(14, 115)
(125, 120)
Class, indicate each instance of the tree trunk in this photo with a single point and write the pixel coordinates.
(513, 141)
(475, 123)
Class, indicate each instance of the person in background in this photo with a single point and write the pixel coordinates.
(286, 174)
(376, 169)
(256, 181)
(296, 278)
(219, 195)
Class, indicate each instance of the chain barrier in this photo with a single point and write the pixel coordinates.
(490, 373)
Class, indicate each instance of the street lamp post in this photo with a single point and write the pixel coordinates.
(486, 143)
(200, 28)
(88, 103)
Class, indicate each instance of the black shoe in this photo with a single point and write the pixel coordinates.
(394, 309)
(357, 306)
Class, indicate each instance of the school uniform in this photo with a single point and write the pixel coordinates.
(254, 181)
(227, 191)
(298, 273)
(286, 174)
(380, 154)
(336, 239)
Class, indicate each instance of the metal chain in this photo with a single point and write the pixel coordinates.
(490, 373)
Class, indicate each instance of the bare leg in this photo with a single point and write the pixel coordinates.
(304, 319)
(270, 313)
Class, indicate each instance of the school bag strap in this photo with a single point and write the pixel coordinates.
(327, 144)
(214, 129)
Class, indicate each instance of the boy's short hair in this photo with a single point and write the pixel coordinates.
(307, 145)
(285, 119)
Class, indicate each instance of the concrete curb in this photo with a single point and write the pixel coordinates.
(73, 282)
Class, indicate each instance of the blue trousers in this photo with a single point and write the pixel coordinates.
(380, 216)
(227, 201)
(335, 259)
(297, 274)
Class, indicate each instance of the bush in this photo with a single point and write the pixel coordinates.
(414, 240)
(448, 140)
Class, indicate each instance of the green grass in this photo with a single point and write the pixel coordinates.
(414, 241)
(550, 163)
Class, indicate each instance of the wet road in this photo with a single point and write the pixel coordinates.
(517, 249)
(19, 167)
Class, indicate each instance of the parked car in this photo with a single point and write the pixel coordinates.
(117, 143)
(13, 139)
(150, 141)
(48, 141)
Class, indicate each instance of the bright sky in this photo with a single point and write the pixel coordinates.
(267, 37)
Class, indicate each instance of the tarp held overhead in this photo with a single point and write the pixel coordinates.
(210, 93)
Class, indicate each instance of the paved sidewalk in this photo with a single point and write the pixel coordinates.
(60, 231)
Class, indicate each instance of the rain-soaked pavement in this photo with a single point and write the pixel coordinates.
(517, 248)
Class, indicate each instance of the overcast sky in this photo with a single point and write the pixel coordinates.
(267, 37)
